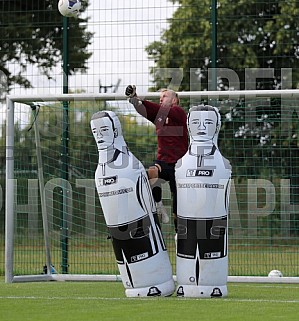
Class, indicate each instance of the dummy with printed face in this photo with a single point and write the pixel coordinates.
(203, 185)
(130, 212)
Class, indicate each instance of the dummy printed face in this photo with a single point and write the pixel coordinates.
(202, 125)
(103, 132)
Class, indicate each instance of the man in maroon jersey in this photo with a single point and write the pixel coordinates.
(171, 127)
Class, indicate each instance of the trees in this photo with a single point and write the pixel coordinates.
(251, 34)
(31, 34)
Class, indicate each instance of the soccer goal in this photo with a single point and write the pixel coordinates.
(55, 228)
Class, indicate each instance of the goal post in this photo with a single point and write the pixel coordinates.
(258, 136)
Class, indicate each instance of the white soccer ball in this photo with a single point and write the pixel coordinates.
(69, 8)
(275, 274)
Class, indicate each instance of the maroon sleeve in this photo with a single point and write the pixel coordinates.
(152, 110)
(156, 112)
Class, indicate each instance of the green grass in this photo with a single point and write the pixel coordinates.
(86, 301)
(94, 255)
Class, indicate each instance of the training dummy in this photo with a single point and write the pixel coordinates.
(203, 185)
(130, 213)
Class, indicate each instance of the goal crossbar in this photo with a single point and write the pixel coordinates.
(286, 93)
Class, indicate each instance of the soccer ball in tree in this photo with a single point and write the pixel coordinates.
(69, 8)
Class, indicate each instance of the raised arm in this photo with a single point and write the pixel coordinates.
(135, 101)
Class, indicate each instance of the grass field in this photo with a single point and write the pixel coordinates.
(86, 301)
(94, 255)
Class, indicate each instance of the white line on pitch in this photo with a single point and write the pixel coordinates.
(144, 298)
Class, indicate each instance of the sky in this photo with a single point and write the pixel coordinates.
(122, 29)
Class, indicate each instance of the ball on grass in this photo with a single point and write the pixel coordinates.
(275, 274)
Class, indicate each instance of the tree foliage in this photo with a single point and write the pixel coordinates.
(250, 34)
(31, 34)
(253, 35)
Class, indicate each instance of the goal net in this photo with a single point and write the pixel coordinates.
(55, 228)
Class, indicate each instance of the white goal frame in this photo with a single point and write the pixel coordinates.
(9, 180)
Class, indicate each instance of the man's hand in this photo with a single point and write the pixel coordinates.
(130, 91)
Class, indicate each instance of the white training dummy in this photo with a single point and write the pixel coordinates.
(130, 213)
(203, 186)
